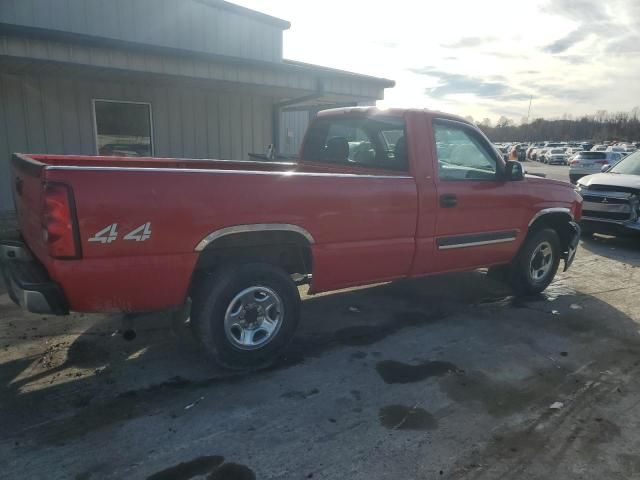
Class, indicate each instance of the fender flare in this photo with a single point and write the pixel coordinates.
(254, 227)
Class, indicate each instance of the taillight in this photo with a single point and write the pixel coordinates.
(58, 221)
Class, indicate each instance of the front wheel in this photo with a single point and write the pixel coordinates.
(537, 262)
(245, 315)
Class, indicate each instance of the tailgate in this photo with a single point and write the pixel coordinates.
(27, 184)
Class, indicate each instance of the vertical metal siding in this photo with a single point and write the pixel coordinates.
(293, 127)
(171, 23)
(6, 198)
(53, 114)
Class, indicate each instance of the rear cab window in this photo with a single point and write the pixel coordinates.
(370, 142)
(592, 155)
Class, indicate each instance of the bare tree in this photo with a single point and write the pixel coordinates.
(598, 127)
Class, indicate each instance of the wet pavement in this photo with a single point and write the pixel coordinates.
(444, 377)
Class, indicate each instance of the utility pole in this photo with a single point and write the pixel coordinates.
(528, 120)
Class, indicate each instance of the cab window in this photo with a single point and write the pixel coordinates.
(374, 142)
(462, 153)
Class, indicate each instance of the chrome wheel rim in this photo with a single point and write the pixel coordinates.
(253, 318)
(541, 262)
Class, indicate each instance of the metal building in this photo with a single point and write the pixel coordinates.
(172, 78)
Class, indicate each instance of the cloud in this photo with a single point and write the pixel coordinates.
(455, 84)
(575, 59)
(466, 42)
(593, 18)
(559, 91)
(624, 45)
(583, 11)
(565, 43)
(505, 55)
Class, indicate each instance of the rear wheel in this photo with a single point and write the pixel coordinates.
(245, 315)
(537, 262)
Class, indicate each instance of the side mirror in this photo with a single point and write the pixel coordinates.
(605, 168)
(513, 171)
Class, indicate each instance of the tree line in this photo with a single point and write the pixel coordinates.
(599, 127)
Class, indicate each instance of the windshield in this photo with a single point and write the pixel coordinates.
(557, 151)
(630, 165)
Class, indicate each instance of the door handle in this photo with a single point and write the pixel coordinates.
(448, 200)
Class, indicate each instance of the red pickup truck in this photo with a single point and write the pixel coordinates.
(377, 195)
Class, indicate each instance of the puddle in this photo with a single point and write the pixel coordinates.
(190, 469)
(232, 471)
(398, 372)
(501, 398)
(400, 417)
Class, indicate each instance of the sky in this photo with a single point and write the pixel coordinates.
(483, 59)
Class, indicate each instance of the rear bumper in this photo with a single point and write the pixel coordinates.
(27, 281)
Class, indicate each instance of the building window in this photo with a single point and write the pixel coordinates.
(123, 129)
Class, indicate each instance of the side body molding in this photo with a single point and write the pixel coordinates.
(256, 227)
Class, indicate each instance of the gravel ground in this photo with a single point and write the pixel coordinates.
(445, 377)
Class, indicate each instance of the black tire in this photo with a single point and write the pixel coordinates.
(213, 298)
(522, 278)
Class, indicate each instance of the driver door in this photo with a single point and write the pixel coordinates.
(479, 214)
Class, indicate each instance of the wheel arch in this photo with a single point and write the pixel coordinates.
(559, 219)
(285, 245)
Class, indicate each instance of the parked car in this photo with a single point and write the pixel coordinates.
(612, 198)
(616, 148)
(532, 152)
(503, 151)
(571, 151)
(236, 237)
(587, 163)
(538, 155)
(554, 156)
(599, 148)
(522, 152)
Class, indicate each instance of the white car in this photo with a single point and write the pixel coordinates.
(599, 148)
(611, 198)
(588, 163)
(554, 156)
(616, 148)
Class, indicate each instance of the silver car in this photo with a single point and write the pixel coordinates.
(587, 163)
(612, 198)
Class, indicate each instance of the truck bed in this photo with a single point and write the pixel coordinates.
(182, 202)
